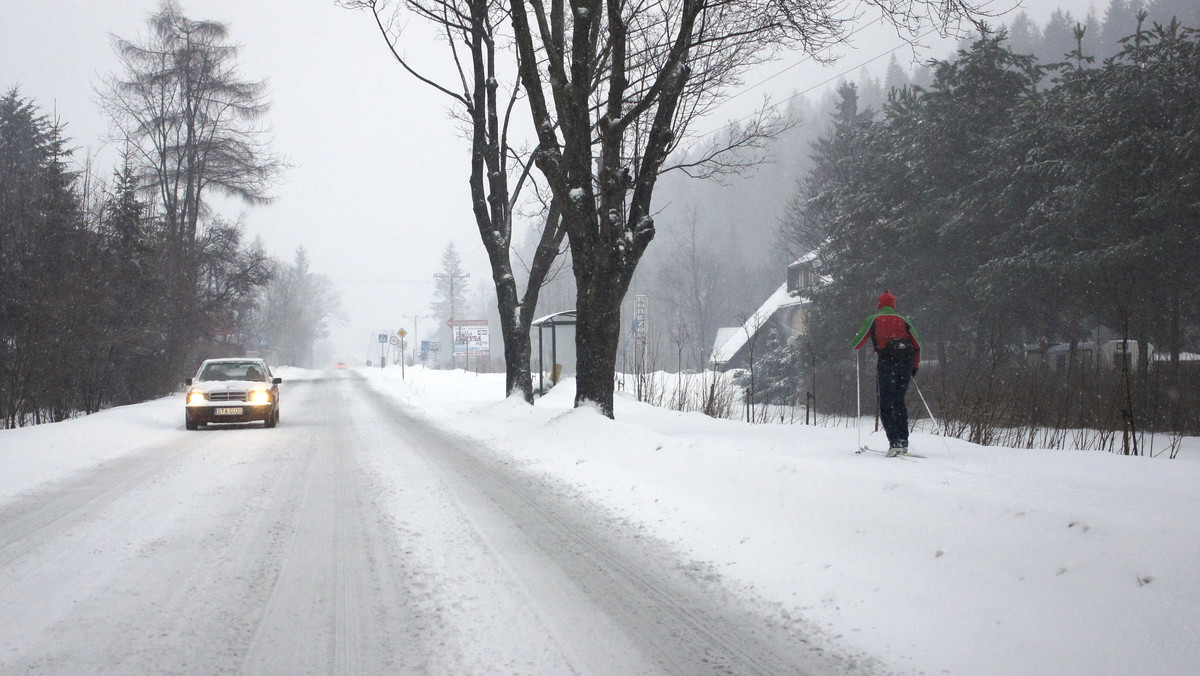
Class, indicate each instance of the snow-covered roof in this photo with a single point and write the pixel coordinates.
(731, 339)
(725, 336)
(810, 256)
(566, 317)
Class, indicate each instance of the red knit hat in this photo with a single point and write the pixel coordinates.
(886, 299)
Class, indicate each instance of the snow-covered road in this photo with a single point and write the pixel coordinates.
(353, 539)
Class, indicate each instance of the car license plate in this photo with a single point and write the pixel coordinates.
(230, 410)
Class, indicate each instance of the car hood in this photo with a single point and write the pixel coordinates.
(229, 385)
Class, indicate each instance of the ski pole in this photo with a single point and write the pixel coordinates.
(930, 412)
(927, 410)
(858, 402)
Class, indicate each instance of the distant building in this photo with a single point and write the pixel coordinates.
(785, 311)
(1113, 352)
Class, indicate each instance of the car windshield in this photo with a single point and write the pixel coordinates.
(242, 370)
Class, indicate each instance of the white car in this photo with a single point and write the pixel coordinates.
(232, 391)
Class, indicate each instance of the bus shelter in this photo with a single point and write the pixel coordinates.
(555, 346)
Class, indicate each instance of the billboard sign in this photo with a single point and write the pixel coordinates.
(471, 338)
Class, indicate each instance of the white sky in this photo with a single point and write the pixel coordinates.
(378, 184)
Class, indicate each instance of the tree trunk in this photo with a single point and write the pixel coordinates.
(514, 329)
(517, 353)
(597, 337)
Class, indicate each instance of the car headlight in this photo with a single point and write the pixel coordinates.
(196, 397)
(260, 396)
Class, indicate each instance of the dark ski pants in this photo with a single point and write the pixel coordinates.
(892, 380)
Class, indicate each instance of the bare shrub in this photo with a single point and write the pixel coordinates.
(1011, 401)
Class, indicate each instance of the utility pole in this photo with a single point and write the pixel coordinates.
(453, 280)
(416, 337)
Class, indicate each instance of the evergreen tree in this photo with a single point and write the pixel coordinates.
(1024, 36)
(44, 245)
(945, 148)
(894, 77)
(1120, 20)
(814, 205)
(131, 276)
(779, 371)
(450, 287)
(1058, 37)
(295, 309)
(1186, 11)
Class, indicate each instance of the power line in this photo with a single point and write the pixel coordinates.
(378, 280)
(820, 84)
(801, 62)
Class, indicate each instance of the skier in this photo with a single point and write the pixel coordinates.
(899, 356)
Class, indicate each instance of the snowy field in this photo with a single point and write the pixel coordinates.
(973, 560)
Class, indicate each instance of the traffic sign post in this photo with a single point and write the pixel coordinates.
(416, 336)
(395, 342)
(399, 340)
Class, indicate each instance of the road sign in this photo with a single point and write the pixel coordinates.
(262, 341)
(394, 340)
(383, 337)
(431, 346)
(402, 333)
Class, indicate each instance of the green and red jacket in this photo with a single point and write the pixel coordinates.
(886, 325)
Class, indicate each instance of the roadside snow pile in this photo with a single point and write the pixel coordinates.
(974, 560)
(34, 455)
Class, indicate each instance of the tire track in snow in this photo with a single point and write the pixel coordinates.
(589, 564)
(340, 601)
(36, 517)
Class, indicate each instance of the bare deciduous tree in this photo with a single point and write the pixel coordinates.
(473, 34)
(693, 280)
(191, 123)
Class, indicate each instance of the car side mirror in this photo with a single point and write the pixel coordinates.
(277, 380)
(187, 381)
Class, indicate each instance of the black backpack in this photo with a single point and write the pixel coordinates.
(898, 351)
